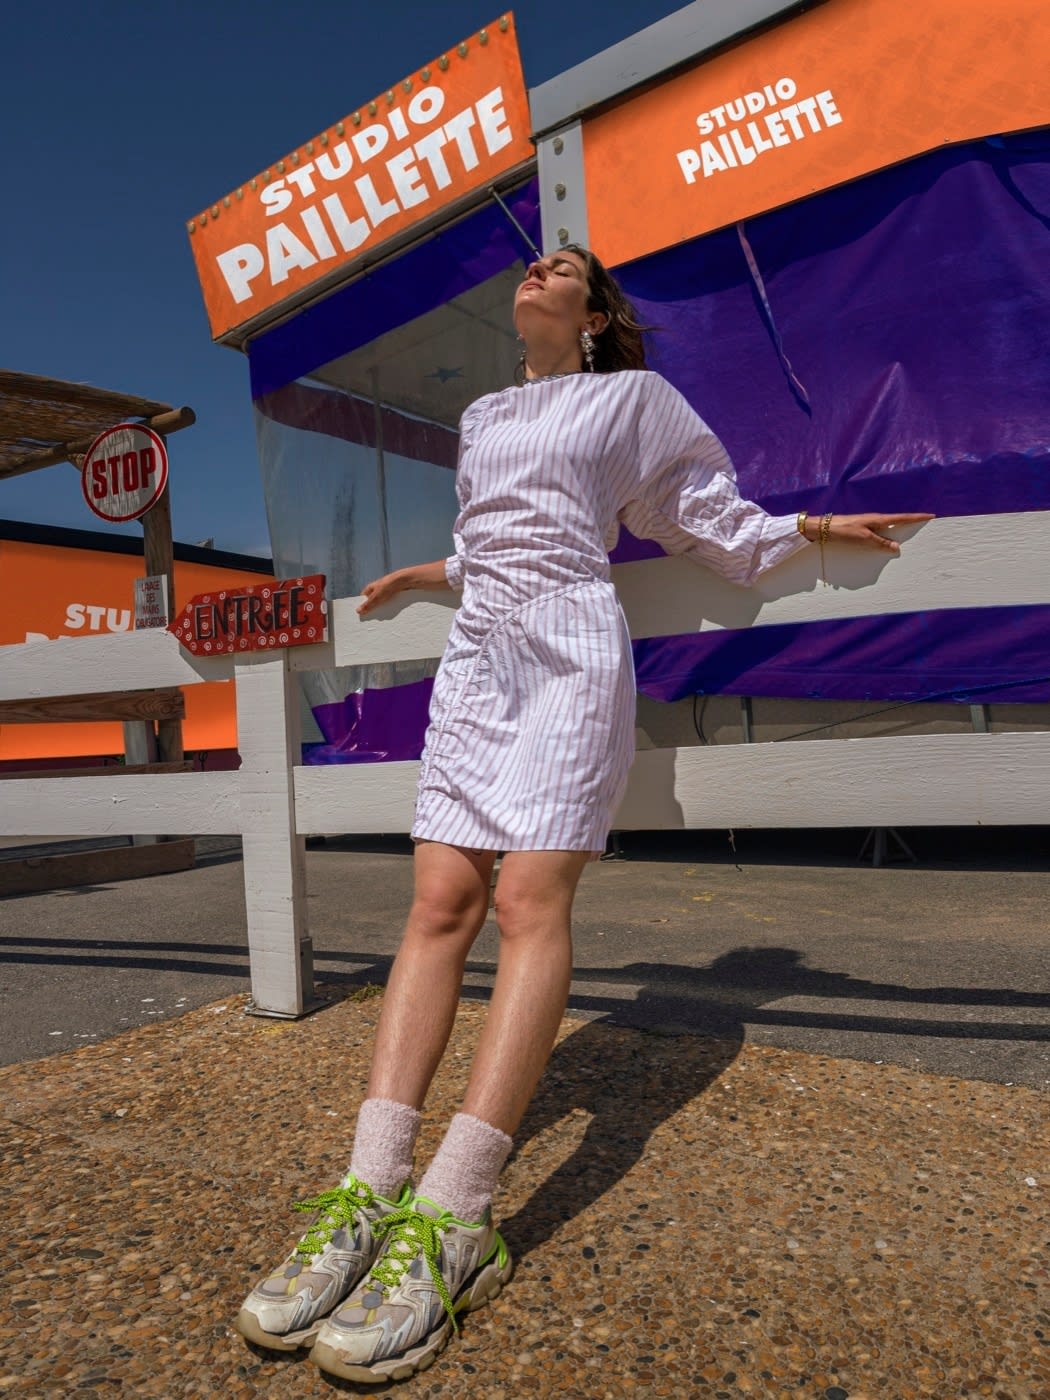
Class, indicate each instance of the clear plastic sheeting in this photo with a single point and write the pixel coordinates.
(358, 467)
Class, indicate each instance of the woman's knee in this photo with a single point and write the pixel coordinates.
(522, 912)
(447, 915)
(535, 892)
(451, 893)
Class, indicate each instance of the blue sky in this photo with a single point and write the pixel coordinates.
(123, 119)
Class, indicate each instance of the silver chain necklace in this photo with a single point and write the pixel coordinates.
(543, 378)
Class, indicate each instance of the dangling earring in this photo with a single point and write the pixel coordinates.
(519, 371)
(587, 346)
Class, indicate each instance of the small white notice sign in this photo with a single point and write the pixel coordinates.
(151, 601)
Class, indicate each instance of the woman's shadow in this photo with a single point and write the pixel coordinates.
(629, 1080)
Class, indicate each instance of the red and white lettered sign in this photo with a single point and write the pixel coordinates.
(125, 472)
(287, 612)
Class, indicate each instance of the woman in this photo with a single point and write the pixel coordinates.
(527, 753)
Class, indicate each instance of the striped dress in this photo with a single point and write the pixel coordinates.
(531, 731)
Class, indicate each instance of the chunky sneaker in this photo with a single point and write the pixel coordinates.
(396, 1321)
(285, 1310)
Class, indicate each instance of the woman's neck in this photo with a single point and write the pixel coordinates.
(542, 359)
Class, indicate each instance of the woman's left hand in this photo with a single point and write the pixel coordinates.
(865, 529)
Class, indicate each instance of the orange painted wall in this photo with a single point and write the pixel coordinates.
(52, 591)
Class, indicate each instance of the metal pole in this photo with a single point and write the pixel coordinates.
(384, 524)
(747, 719)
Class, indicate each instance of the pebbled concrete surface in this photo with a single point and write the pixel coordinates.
(690, 1218)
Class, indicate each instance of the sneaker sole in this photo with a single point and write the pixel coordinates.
(487, 1285)
(247, 1324)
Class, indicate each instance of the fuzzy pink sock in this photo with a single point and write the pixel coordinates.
(383, 1144)
(463, 1175)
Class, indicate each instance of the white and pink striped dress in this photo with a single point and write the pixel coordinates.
(532, 719)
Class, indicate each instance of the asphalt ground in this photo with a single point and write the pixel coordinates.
(767, 938)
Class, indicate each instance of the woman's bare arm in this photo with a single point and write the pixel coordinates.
(381, 590)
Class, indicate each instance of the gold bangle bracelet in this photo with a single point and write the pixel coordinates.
(822, 534)
(800, 523)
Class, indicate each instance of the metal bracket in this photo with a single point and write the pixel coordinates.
(563, 191)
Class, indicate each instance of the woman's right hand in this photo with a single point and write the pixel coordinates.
(381, 590)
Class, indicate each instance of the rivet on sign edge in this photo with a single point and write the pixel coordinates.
(192, 226)
(425, 75)
(504, 24)
(407, 84)
(559, 190)
(203, 220)
(483, 36)
(280, 167)
(294, 157)
(253, 183)
(266, 175)
(462, 50)
(443, 62)
(372, 109)
(226, 201)
(215, 211)
(559, 145)
(563, 235)
(309, 148)
(356, 119)
(389, 97)
(323, 138)
(240, 191)
(339, 128)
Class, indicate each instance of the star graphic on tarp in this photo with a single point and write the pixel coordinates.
(444, 374)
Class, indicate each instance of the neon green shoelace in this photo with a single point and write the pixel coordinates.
(338, 1208)
(411, 1233)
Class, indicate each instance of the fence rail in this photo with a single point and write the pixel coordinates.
(273, 801)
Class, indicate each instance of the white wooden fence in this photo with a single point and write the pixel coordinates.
(273, 802)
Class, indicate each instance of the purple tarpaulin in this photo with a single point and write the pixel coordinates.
(914, 306)
(372, 726)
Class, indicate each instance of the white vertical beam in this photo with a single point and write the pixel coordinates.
(268, 730)
(563, 189)
(140, 746)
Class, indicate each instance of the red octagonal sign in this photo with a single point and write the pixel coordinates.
(124, 472)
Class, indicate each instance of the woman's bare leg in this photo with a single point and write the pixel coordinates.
(419, 1005)
(534, 896)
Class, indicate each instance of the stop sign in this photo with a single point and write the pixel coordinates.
(124, 472)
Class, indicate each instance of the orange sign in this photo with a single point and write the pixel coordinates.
(849, 87)
(453, 126)
(62, 592)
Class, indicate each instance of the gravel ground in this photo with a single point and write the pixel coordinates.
(689, 1216)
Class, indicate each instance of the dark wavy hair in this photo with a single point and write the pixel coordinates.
(620, 344)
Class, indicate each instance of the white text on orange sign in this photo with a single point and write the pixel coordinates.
(736, 141)
(310, 236)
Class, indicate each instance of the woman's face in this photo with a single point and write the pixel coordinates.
(553, 297)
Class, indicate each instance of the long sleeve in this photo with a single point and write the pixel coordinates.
(686, 497)
(456, 563)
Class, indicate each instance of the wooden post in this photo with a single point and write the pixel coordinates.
(160, 559)
(269, 740)
(140, 749)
